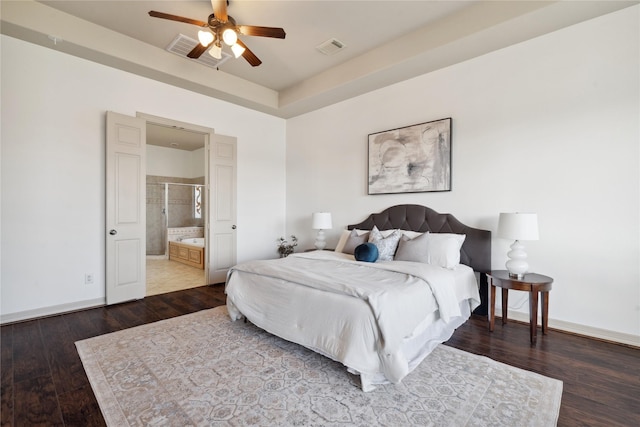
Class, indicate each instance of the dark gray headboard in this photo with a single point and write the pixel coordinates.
(476, 249)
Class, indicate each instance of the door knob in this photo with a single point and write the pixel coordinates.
(233, 227)
(113, 232)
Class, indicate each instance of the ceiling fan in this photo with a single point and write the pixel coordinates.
(221, 27)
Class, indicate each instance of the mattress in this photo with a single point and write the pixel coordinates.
(378, 319)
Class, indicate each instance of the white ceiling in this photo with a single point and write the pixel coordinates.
(172, 137)
(361, 25)
(387, 41)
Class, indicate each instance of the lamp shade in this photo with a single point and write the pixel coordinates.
(321, 221)
(237, 50)
(229, 36)
(216, 51)
(205, 37)
(518, 226)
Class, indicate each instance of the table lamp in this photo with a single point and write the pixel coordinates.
(518, 226)
(321, 221)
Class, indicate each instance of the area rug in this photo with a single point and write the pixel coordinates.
(201, 369)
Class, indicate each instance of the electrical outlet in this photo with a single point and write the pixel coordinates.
(88, 278)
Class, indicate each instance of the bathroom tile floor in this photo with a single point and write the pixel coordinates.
(168, 276)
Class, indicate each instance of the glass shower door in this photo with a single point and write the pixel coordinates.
(156, 219)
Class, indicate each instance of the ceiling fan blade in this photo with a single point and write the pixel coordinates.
(220, 9)
(198, 50)
(249, 56)
(252, 30)
(170, 17)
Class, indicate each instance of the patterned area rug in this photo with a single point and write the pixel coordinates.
(201, 369)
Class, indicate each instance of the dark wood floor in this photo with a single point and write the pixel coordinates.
(44, 383)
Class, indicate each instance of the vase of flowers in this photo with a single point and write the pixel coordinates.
(285, 248)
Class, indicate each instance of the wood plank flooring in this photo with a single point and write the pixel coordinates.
(43, 382)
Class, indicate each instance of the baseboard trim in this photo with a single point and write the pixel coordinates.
(574, 328)
(51, 311)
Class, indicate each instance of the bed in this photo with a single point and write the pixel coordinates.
(379, 319)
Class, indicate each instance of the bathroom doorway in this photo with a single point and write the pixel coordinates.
(175, 208)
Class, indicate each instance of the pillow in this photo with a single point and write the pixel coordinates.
(343, 239)
(411, 234)
(367, 252)
(444, 249)
(386, 233)
(386, 245)
(416, 249)
(344, 236)
(353, 241)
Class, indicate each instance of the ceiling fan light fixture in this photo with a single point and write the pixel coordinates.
(237, 50)
(223, 28)
(216, 51)
(230, 37)
(205, 37)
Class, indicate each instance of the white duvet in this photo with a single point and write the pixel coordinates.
(361, 314)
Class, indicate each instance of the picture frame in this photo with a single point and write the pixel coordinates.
(411, 159)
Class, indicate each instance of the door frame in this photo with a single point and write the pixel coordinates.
(208, 134)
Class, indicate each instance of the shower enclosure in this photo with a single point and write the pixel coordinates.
(173, 204)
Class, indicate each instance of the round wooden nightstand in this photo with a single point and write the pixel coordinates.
(532, 283)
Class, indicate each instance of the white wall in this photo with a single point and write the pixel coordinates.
(53, 167)
(547, 126)
(550, 125)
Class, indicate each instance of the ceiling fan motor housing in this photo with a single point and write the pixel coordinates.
(216, 24)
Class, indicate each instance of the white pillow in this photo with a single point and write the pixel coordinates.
(343, 239)
(345, 235)
(386, 245)
(444, 249)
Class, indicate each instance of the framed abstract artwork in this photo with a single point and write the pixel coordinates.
(411, 159)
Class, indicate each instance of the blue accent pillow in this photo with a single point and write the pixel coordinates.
(367, 252)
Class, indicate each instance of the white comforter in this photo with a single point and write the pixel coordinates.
(401, 297)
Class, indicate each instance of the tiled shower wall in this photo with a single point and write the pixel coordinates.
(180, 209)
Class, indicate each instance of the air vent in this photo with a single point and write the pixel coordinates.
(331, 47)
(182, 45)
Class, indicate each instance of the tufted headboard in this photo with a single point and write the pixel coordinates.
(476, 249)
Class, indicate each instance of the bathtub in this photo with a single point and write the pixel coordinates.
(193, 241)
(189, 251)
(174, 234)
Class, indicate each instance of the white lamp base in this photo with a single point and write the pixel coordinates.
(320, 242)
(517, 264)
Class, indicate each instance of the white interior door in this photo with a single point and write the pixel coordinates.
(222, 207)
(125, 204)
